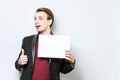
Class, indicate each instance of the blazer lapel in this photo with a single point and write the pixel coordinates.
(33, 47)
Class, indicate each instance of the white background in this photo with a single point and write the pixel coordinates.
(94, 26)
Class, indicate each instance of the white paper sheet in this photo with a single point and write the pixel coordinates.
(53, 46)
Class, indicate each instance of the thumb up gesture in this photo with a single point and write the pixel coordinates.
(23, 58)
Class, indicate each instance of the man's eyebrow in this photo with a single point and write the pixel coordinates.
(40, 16)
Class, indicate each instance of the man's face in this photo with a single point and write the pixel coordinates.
(41, 21)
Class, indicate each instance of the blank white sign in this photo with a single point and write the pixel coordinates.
(53, 46)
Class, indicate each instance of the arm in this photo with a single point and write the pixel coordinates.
(68, 63)
(17, 66)
(22, 59)
(67, 66)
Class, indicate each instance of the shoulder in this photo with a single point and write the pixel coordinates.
(30, 37)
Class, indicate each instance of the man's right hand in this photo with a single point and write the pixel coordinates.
(23, 58)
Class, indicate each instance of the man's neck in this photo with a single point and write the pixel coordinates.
(46, 32)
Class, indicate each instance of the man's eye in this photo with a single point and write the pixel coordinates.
(34, 18)
(40, 18)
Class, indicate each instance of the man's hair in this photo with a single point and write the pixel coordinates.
(48, 12)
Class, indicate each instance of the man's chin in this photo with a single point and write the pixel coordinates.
(39, 31)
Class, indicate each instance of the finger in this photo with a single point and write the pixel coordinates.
(23, 62)
(23, 52)
(24, 57)
(69, 54)
(67, 51)
(69, 59)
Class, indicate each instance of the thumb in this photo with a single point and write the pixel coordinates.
(22, 52)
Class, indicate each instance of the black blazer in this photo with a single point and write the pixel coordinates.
(56, 65)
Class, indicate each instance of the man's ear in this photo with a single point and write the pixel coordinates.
(50, 22)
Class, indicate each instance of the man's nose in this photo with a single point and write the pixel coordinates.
(36, 21)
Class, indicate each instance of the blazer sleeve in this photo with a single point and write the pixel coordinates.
(17, 66)
(66, 66)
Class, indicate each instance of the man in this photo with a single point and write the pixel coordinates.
(35, 68)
